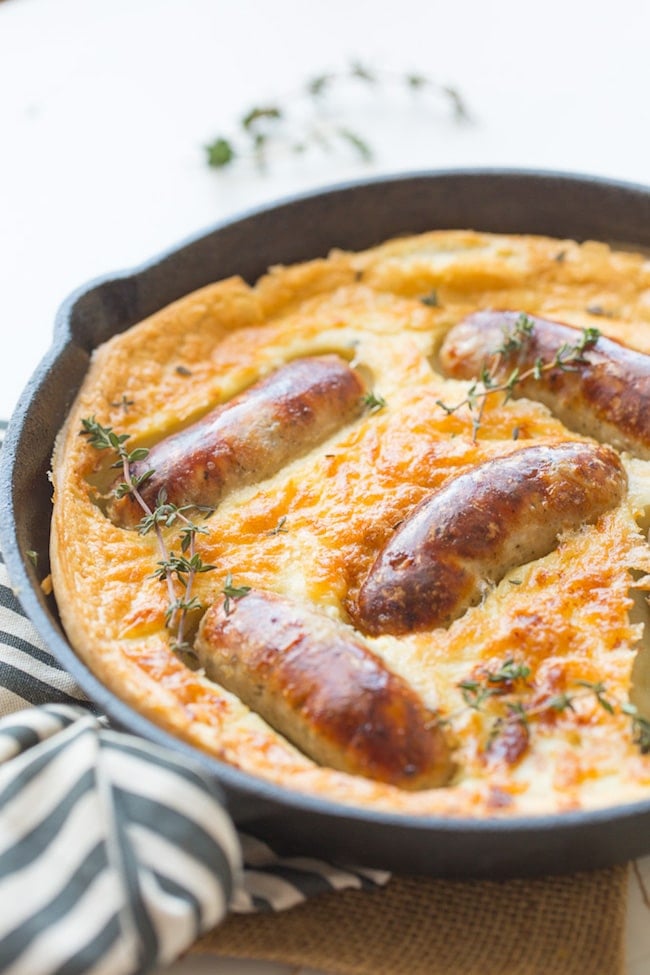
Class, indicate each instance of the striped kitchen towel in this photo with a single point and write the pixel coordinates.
(115, 855)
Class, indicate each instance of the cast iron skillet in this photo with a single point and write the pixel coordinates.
(352, 216)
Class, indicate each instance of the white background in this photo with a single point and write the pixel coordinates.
(106, 105)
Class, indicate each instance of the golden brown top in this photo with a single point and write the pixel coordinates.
(519, 678)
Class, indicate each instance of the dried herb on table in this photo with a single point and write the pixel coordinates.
(306, 119)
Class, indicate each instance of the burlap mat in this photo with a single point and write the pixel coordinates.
(551, 926)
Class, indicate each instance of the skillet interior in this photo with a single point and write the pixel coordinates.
(354, 217)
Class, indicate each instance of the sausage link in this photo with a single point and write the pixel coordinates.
(319, 685)
(467, 535)
(251, 437)
(607, 396)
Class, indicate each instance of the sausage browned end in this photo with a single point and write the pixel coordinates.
(606, 397)
(466, 536)
(314, 681)
(251, 437)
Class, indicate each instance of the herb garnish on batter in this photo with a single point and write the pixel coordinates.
(177, 569)
(508, 688)
(566, 357)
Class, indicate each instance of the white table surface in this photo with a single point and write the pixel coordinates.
(105, 106)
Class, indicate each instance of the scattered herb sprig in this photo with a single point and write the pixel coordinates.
(431, 300)
(304, 120)
(177, 569)
(279, 528)
(640, 727)
(509, 683)
(566, 358)
(232, 592)
(373, 402)
(493, 683)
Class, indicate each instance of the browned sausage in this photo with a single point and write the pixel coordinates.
(466, 536)
(251, 437)
(318, 684)
(606, 397)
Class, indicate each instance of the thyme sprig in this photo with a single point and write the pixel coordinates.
(279, 528)
(177, 570)
(373, 402)
(493, 683)
(511, 679)
(304, 119)
(232, 592)
(640, 727)
(431, 299)
(567, 357)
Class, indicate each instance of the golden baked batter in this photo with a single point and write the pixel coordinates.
(532, 684)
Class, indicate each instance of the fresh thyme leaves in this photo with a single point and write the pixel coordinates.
(599, 311)
(102, 437)
(373, 402)
(124, 403)
(178, 571)
(566, 357)
(220, 153)
(231, 592)
(305, 118)
(181, 566)
(253, 117)
(508, 672)
(475, 693)
(363, 73)
(358, 144)
(182, 606)
(515, 337)
(105, 438)
(498, 694)
(641, 732)
(509, 735)
(458, 105)
(32, 556)
(561, 702)
(588, 339)
(431, 299)
(319, 85)
(279, 528)
(167, 514)
(493, 682)
(640, 727)
(516, 709)
(599, 691)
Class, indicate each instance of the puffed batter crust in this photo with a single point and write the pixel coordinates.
(312, 530)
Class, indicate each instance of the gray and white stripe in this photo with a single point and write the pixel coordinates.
(101, 850)
(29, 674)
(275, 883)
